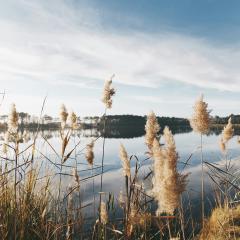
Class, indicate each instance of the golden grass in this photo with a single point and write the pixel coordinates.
(223, 224)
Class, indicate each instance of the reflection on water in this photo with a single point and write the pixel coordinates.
(49, 143)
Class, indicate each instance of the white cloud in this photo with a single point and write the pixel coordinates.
(49, 45)
(54, 43)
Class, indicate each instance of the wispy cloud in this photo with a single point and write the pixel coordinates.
(68, 46)
(58, 44)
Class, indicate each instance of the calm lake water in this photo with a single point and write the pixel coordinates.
(112, 179)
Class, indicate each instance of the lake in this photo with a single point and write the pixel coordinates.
(187, 144)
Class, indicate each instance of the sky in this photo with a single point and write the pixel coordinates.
(164, 54)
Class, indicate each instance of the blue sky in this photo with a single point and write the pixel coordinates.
(164, 55)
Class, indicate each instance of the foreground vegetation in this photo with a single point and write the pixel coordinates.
(46, 203)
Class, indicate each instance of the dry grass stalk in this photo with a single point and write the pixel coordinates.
(121, 199)
(6, 142)
(89, 155)
(168, 184)
(136, 219)
(200, 120)
(125, 161)
(76, 176)
(108, 92)
(63, 114)
(103, 213)
(152, 128)
(69, 232)
(222, 145)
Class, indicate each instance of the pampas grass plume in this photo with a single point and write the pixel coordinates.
(73, 120)
(152, 128)
(168, 184)
(228, 131)
(89, 155)
(125, 161)
(200, 120)
(63, 114)
(103, 213)
(13, 119)
(108, 92)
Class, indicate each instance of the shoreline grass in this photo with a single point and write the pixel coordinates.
(42, 203)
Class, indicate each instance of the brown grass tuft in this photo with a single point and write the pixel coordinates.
(223, 224)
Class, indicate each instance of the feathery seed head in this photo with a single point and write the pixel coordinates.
(108, 92)
(89, 155)
(103, 213)
(228, 131)
(152, 128)
(73, 120)
(63, 114)
(125, 161)
(168, 184)
(200, 120)
(13, 119)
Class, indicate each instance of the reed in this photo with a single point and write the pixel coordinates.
(200, 123)
(227, 134)
(168, 184)
(152, 128)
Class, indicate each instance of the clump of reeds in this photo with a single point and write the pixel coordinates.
(108, 92)
(200, 120)
(152, 128)
(223, 224)
(168, 184)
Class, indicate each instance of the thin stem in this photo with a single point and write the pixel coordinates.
(169, 229)
(15, 189)
(103, 152)
(127, 203)
(182, 219)
(202, 181)
(103, 147)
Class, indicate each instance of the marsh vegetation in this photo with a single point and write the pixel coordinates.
(58, 185)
